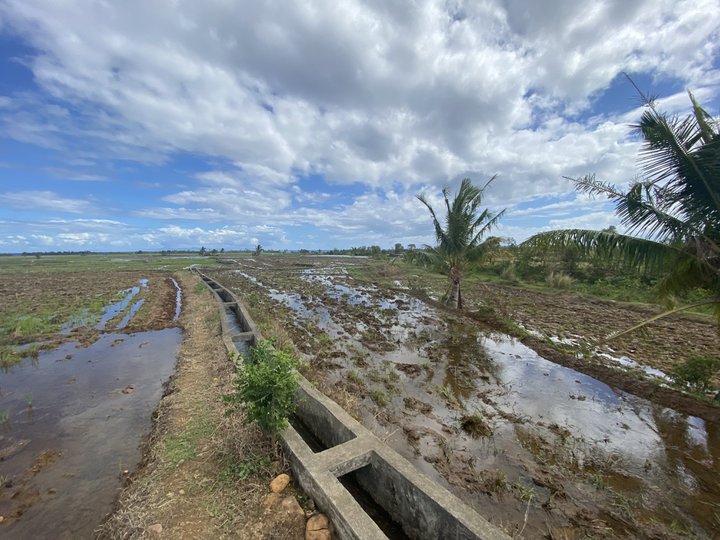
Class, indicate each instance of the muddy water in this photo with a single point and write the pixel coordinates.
(75, 419)
(178, 299)
(556, 450)
(118, 307)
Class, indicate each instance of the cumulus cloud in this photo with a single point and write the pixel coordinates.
(392, 96)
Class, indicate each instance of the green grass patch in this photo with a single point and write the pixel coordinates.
(234, 469)
(186, 444)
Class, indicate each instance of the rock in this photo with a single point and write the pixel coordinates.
(272, 501)
(128, 389)
(318, 528)
(322, 534)
(292, 507)
(155, 530)
(2, 518)
(181, 492)
(279, 483)
(317, 522)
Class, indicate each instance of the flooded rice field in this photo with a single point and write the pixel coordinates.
(72, 419)
(536, 447)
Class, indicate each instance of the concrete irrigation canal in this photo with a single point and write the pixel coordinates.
(367, 489)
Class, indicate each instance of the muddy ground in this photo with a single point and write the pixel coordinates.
(536, 447)
(42, 310)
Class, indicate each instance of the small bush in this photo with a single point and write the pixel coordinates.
(266, 384)
(558, 280)
(696, 373)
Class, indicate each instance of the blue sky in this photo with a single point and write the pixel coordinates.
(175, 124)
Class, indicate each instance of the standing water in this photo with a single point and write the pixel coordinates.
(73, 421)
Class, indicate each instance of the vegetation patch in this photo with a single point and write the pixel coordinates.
(265, 385)
(476, 426)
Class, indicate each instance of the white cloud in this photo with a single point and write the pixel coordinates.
(393, 96)
(43, 200)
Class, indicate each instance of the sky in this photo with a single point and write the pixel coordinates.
(175, 124)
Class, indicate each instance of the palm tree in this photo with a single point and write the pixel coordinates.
(671, 213)
(460, 240)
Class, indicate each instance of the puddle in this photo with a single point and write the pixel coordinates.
(89, 408)
(130, 314)
(624, 361)
(118, 307)
(630, 363)
(178, 299)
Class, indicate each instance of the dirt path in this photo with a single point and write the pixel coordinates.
(204, 475)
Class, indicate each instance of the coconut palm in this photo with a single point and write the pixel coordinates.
(460, 240)
(671, 213)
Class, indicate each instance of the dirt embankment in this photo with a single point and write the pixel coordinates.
(203, 475)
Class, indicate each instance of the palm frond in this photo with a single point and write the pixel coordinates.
(637, 253)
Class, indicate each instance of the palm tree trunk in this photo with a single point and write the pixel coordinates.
(454, 298)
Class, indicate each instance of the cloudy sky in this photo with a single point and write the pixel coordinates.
(225, 123)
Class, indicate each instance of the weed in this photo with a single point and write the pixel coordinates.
(212, 320)
(29, 400)
(5, 417)
(9, 357)
(266, 384)
(379, 397)
(355, 377)
(558, 280)
(526, 493)
(184, 445)
(234, 470)
(201, 288)
(447, 447)
(446, 392)
(476, 426)
(696, 373)
(30, 326)
(597, 480)
(494, 481)
(324, 340)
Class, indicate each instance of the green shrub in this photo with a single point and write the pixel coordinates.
(695, 373)
(266, 384)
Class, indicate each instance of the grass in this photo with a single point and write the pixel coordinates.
(102, 262)
(379, 397)
(185, 444)
(476, 426)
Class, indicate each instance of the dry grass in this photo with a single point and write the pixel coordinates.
(204, 474)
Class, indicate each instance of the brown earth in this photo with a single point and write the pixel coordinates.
(660, 344)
